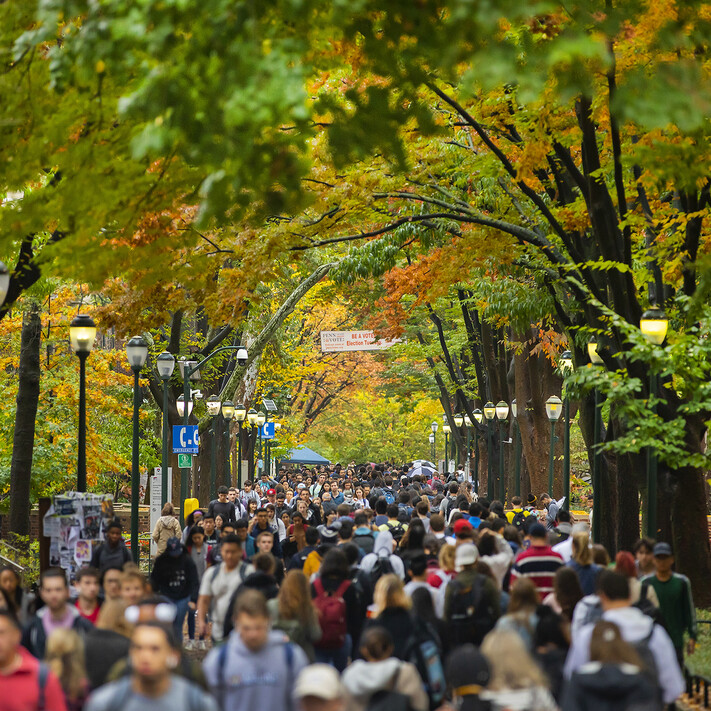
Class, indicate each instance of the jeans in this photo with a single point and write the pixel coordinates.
(180, 612)
(191, 624)
(337, 658)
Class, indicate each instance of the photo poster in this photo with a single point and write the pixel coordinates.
(75, 524)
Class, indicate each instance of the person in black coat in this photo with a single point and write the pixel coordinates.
(222, 506)
(175, 576)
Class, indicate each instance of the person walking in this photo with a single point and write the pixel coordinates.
(257, 667)
(539, 563)
(65, 657)
(26, 682)
(57, 613)
(551, 508)
(175, 576)
(582, 562)
(152, 682)
(676, 602)
(112, 553)
(166, 527)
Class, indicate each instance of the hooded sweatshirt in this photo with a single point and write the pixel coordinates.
(255, 680)
(634, 626)
(34, 635)
(363, 679)
(609, 687)
(383, 547)
(166, 527)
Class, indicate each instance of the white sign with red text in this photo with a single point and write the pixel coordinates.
(338, 341)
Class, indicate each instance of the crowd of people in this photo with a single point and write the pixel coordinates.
(353, 589)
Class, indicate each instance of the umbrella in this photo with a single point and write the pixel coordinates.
(423, 463)
(422, 471)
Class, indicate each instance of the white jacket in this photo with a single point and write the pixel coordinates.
(634, 626)
(500, 561)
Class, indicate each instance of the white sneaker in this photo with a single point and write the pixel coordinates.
(202, 645)
(189, 645)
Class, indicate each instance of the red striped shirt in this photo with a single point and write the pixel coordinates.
(539, 563)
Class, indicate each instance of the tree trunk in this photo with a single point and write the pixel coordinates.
(24, 436)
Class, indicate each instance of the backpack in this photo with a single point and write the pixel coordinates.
(331, 608)
(389, 699)
(650, 670)
(424, 652)
(389, 495)
(382, 566)
(470, 618)
(645, 605)
(519, 520)
(364, 541)
(397, 530)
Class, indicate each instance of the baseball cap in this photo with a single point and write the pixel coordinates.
(462, 526)
(174, 547)
(271, 492)
(319, 680)
(662, 549)
(467, 554)
(328, 535)
(301, 486)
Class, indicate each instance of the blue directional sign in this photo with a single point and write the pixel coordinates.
(185, 439)
(267, 430)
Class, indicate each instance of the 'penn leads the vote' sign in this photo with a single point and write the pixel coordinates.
(185, 439)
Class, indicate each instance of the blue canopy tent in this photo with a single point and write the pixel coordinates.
(304, 455)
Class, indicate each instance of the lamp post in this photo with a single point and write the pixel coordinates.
(447, 430)
(213, 409)
(517, 449)
(137, 354)
(434, 427)
(654, 325)
(252, 415)
(261, 419)
(240, 415)
(82, 332)
(165, 364)
(458, 422)
(595, 359)
(432, 445)
(467, 464)
(478, 417)
(228, 412)
(489, 414)
(190, 370)
(502, 414)
(566, 368)
(554, 409)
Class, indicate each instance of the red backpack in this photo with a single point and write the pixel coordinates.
(331, 608)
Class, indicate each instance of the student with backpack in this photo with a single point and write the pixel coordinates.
(383, 559)
(650, 640)
(381, 682)
(339, 608)
(363, 536)
(396, 527)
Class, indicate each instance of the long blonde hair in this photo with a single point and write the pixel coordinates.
(581, 548)
(390, 592)
(65, 657)
(446, 556)
(512, 667)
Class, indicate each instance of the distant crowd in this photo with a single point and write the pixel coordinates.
(353, 589)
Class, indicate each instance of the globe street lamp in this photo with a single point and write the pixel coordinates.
(228, 412)
(137, 354)
(502, 414)
(432, 445)
(554, 409)
(489, 414)
(434, 426)
(517, 449)
(165, 364)
(478, 417)
(240, 416)
(654, 325)
(458, 423)
(566, 368)
(595, 359)
(180, 406)
(82, 332)
(213, 405)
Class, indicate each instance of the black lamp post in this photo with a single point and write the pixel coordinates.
(434, 426)
(82, 332)
(240, 416)
(165, 364)
(432, 446)
(252, 416)
(502, 414)
(554, 408)
(595, 359)
(566, 368)
(478, 417)
(261, 419)
(137, 354)
(458, 422)
(654, 325)
(489, 413)
(517, 449)
(213, 405)
(228, 412)
(447, 430)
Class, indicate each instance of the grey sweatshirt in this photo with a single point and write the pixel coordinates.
(254, 680)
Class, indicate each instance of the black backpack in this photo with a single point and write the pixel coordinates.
(645, 605)
(470, 617)
(364, 541)
(397, 530)
(423, 650)
(382, 566)
(519, 520)
(389, 699)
